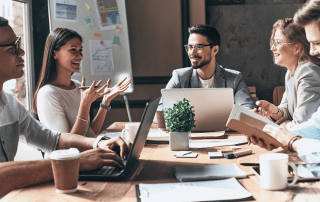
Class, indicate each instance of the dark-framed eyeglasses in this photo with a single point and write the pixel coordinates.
(277, 43)
(198, 47)
(16, 45)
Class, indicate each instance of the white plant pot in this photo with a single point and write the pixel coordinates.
(179, 141)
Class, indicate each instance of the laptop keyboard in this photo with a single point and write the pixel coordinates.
(105, 170)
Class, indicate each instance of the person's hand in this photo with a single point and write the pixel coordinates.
(111, 93)
(96, 158)
(117, 143)
(265, 108)
(281, 134)
(284, 123)
(91, 94)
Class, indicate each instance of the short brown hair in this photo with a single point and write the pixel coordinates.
(295, 33)
(308, 13)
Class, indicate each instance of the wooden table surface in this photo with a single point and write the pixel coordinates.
(156, 166)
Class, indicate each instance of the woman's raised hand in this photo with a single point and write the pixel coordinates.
(265, 108)
(91, 94)
(111, 93)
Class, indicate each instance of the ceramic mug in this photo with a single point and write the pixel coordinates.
(274, 171)
(130, 131)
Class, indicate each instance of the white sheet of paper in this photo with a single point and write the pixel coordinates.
(181, 153)
(228, 189)
(101, 57)
(191, 155)
(66, 10)
(157, 133)
(214, 144)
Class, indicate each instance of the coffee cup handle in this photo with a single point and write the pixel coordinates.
(123, 132)
(296, 177)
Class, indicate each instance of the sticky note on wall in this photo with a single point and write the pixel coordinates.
(116, 40)
(88, 7)
(88, 21)
(96, 34)
(118, 28)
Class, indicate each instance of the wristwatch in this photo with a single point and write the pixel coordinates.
(106, 107)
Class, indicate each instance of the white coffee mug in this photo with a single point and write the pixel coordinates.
(274, 171)
(130, 131)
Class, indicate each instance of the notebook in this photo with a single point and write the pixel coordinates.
(112, 173)
(208, 172)
(212, 105)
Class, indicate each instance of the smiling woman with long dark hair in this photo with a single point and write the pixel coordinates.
(58, 101)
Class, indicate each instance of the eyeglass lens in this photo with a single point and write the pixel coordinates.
(17, 47)
(190, 48)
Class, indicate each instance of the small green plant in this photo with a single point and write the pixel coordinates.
(181, 117)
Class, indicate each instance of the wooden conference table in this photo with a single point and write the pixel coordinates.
(156, 166)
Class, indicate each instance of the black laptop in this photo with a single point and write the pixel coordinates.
(111, 173)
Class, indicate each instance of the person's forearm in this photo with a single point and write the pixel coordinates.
(68, 140)
(80, 125)
(98, 120)
(15, 175)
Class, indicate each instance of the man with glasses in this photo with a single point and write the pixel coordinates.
(16, 123)
(202, 48)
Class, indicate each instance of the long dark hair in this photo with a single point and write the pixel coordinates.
(55, 40)
(295, 33)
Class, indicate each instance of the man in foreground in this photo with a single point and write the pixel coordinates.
(16, 122)
(202, 48)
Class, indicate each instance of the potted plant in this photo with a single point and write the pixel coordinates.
(179, 121)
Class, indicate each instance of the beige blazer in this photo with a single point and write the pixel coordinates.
(306, 94)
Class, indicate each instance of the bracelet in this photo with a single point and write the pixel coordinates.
(292, 141)
(81, 119)
(97, 140)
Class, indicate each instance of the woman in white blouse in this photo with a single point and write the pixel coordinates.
(58, 101)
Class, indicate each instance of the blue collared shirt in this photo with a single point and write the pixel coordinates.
(16, 123)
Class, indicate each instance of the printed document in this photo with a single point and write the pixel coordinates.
(216, 190)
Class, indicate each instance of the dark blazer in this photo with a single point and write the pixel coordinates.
(223, 78)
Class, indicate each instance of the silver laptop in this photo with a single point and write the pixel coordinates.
(212, 105)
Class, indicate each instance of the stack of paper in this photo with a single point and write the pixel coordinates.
(218, 190)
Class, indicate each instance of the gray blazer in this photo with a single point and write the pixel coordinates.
(223, 78)
(306, 94)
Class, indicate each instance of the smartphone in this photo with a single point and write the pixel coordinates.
(306, 172)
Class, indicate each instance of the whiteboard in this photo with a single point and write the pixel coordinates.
(100, 61)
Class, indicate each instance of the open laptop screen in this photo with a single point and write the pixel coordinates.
(143, 131)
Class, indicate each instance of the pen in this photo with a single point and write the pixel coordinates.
(250, 164)
(257, 107)
(238, 154)
(87, 87)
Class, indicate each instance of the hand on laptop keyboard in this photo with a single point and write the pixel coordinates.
(123, 144)
(97, 158)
